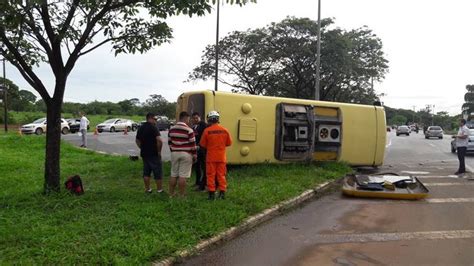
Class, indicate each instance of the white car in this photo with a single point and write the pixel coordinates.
(38, 127)
(116, 124)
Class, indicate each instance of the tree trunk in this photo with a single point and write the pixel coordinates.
(53, 142)
(53, 139)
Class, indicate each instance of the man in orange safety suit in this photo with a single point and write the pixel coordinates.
(215, 139)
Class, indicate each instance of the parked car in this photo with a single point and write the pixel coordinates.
(434, 132)
(403, 130)
(131, 125)
(162, 123)
(74, 124)
(134, 125)
(38, 127)
(115, 124)
(470, 144)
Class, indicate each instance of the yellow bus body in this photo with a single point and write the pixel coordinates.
(267, 129)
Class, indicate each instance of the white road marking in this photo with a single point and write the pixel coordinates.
(448, 184)
(415, 172)
(385, 237)
(469, 169)
(450, 200)
(438, 176)
(432, 145)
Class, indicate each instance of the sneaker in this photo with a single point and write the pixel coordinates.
(159, 190)
(149, 190)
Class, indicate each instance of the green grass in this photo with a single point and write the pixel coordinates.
(114, 222)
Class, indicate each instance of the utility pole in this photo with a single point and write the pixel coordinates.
(414, 113)
(217, 48)
(5, 118)
(432, 116)
(318, 55)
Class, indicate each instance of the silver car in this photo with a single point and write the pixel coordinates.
(113, 125)
(470, 144)
(403, 130)
(38, 127)
(434, 132)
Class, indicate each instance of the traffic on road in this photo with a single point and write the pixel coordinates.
(338, 230)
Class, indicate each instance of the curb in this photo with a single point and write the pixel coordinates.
(249, 223)
(98, 152)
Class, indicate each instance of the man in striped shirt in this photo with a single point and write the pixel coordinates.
(183, 153)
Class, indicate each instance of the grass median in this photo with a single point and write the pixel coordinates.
(115, 221)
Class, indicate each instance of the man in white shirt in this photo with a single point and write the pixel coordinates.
(462, 140)
(83, 129)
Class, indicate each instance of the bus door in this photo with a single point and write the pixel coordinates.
(294, 132)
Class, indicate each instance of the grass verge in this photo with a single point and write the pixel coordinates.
(114, 221)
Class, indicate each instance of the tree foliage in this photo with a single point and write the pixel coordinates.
(279, 60)
(423, 117)
(17, 99)
(399, 120)
(468, 106)
(156, 104)
(59, 32)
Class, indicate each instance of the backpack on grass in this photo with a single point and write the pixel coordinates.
(74, 185)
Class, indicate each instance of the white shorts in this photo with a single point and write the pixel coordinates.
(181, 164)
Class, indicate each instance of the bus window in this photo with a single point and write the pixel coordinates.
(196, 104)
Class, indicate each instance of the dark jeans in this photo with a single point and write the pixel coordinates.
(461, 155)
(200, 169)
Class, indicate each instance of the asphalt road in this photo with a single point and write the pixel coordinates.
(116, 143)
(336, 230)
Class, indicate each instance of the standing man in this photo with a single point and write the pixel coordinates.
(83, 129)
(183, 153)
(200, 165)
(149, 141)
(215, 139)
(462, 140)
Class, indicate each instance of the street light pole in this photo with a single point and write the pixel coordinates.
(318, 55)
(217, 48)
(5, 119)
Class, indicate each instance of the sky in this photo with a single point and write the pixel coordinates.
(429, 45)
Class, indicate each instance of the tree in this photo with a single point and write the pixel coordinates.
(72, 108)
(130, 106)
(159, 105)
(279, 60)
(398, 120)
(468, 106)
(59, 32)
(19, 100)
(244, 58)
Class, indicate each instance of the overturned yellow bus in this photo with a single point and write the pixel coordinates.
(272, 129)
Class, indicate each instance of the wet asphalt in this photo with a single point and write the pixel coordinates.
(116, 143)
(338, 230)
